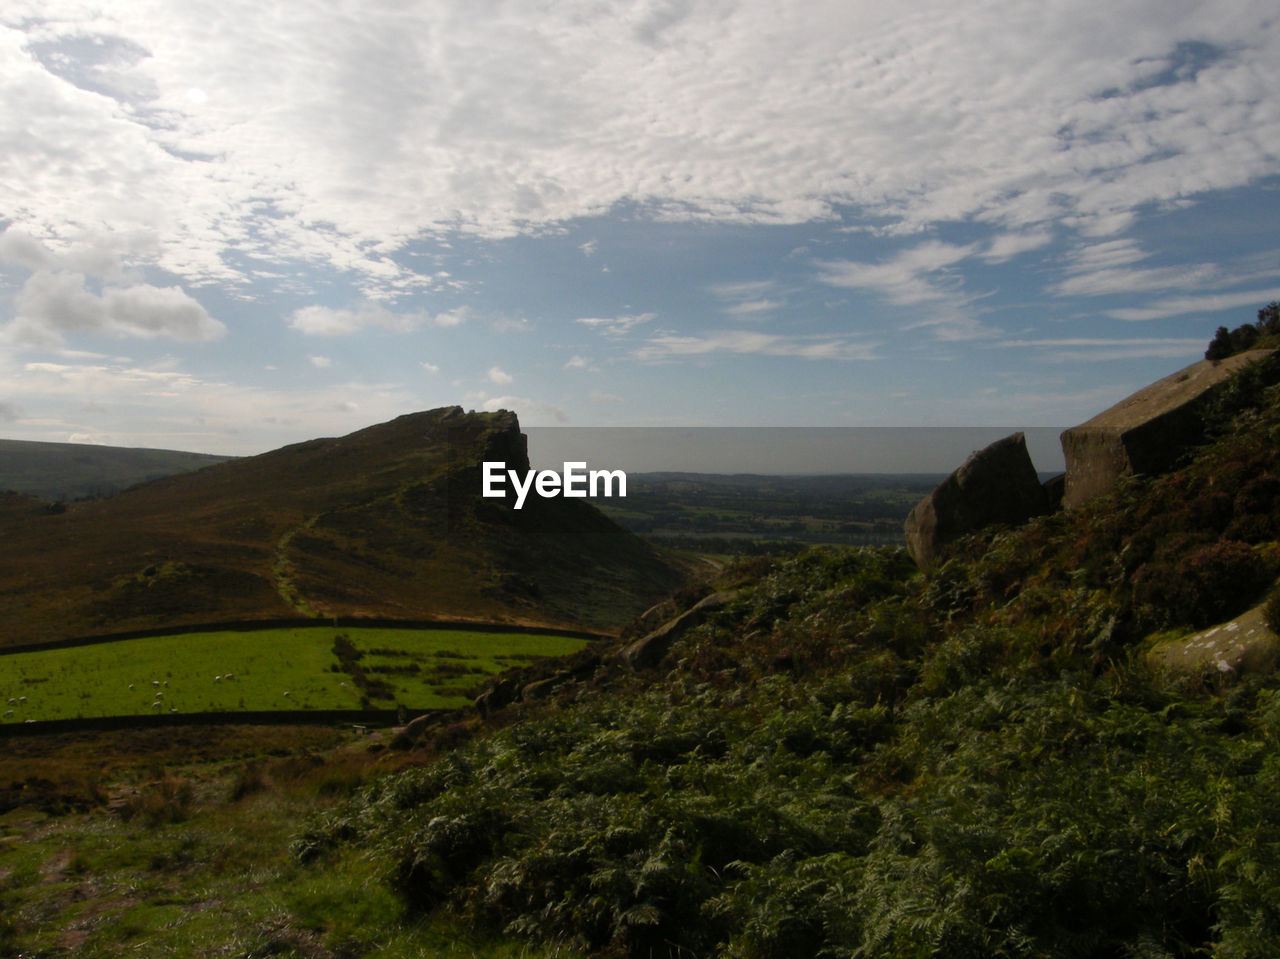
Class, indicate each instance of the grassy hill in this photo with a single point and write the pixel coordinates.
(851, 757)
(385, 522)
(855, 758)
(70, 471)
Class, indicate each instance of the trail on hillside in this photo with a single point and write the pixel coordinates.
(282, 570)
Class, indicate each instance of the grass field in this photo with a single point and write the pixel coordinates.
(286, 669)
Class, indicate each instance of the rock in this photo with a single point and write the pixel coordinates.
(1242, 645)
(997, 484)
(542, 688)
(647, 652)
(406, 736)
(1146, 432)
(500, 694)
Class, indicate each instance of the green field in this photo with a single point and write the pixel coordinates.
(286, 669)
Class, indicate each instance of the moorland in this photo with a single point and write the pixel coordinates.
(847, 756)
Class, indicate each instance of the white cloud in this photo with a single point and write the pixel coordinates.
(746, 342)
(577, 363)
(54, 303)
(1209, 303)
(198, 413)
(338, 145)
(429, 367)
(320, 362)
(498, 375)
(1088, 349)
(600, 398)
(914, 276)
(331, 321)
(1005, 246)
(10, 411)
(528, 410)
(616, 325)
(750, 308)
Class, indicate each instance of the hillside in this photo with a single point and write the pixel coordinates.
(69, 471)
(385, 522)
(856, 758)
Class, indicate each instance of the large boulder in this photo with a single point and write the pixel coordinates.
(997, 484)
(1245, 644)
(1146, 432)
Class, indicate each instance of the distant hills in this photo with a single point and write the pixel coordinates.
(385, 522)
(71, 471)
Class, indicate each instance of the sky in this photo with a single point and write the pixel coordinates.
(228, 226)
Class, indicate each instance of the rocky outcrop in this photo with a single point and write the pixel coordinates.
(647, 652)
(997, 484)
(1242, 645)
(1148, 431)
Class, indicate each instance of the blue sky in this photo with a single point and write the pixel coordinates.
(231, 226)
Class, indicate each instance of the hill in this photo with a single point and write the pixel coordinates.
(854, 757)
(386, 522)
(70, 471)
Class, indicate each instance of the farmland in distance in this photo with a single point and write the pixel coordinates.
(300, 668)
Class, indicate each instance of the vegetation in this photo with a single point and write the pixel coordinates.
(265, 669)
(850, 758)
(754, 515)
(855, 759)
(1265, 333)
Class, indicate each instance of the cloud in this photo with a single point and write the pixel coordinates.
(747, 299)
(10, 411)
(320, 362)
(1209, 303)
(746, 342)
(429, 367)
(1089, 349)
(752, 307)
(54, 303)
(199, 413)
(1008, 245)
(331, 321)
(527, 409)
(616, 325)
(914, 276)
(25, 250)
(746, 113)
(577, 363)
(498, 375)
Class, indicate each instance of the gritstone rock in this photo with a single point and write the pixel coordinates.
(997, 484)
(1146, 432)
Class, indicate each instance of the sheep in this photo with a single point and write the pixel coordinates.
(8, 713)
(22, 699)
(286, 694)
(131, 685)
(155, 682)
(229, 676)
(173, 709)
(217, 679)
(12, 701)
(159, 696)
